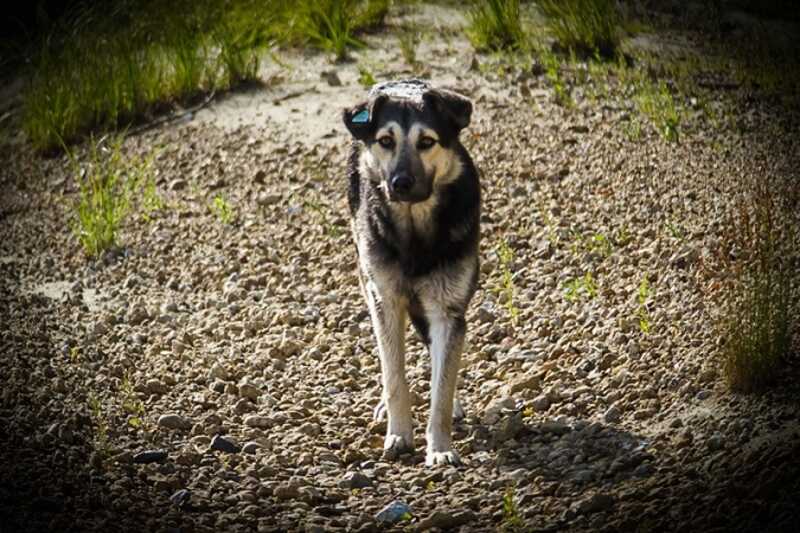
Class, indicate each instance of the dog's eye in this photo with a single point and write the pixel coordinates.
(386, 142)
(426, 142)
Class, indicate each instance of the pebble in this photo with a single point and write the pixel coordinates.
(354, 480)
(181, 498)
(595, 503)
(150, 456)
(393, 513)
(612, 415)
(174, 421)
(250, 447)
(446, 520)
(541, 403)
(223, 444)
(258, 421)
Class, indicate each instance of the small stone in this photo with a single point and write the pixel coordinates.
(249, 391)
(218, 371)
(150, 456)
(522, 383)
(541, 403)
(715, 442)
(508, 428)
(177, 185)
(257, 421)
(174, 421)
(446, 520)
(259, 176)
(331, 77)
(222, 444)
(393, 513)
(485, 315)
(154, 386)
(595, 503)
(612, 415)
(286, 491)
(180, 498)
(250, 447)
(243, 406)
(355, 480)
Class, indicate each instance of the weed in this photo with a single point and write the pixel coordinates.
(74, 354)
(507, 289)
(131, 403)
(495, 25)
(584, 26)
(552, 70)
(760, 285)
(642, 314)
(105, 186)
(151, 200)
(512, 521)
(674, 230)
(599, 244)
(409, 40)
(101, 440)
(623, 236)
(655, 101)
(330, 25)
(582, 286)
(222, 209)
(365, 77)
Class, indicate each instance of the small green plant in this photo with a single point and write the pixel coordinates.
(222, 209)
(101, 440)
(582, 286)
(505, 256)
(105, 186)
(674, 230)
(409, 40)
(599, 244)
(365, 77)
(131, 403)
(585, 26)
(512, 521)
(642, 314)
(552, 70)
(74, 354)
(623, 236)
(495, 25)
(151, 200)
(655, 101)
(330, 25)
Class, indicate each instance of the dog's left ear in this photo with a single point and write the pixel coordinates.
(360, 119)
(456, 109)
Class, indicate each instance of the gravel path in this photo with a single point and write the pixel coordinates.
(222, 377)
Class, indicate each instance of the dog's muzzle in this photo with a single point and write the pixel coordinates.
(401, 186)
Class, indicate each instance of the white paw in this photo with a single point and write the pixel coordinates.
(379, 414)
(442, 458)
(395, 445)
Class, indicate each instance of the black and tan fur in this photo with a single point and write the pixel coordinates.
(415, 204)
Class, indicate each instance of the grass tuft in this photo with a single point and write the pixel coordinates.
(495, 25)
(762, 290)
(588, 27)
(105, 187)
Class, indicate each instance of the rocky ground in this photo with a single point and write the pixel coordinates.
(221, 376)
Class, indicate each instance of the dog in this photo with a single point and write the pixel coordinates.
(414, 200)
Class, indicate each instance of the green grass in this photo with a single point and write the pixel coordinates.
(587, 27)
(409, 40)
(106, 185)
(512, 521)
(131, 404)
(99, 69)
(507, 289)
(576, 288)
(655, 101)
(495, 25)
(643, 294)
(365, 77)
(222, 209)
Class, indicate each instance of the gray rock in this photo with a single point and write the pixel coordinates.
(508, 428)
(523, 383)
(393, 513)
(250, 447)
(715, 442)
(354, 480)
(612, 414)
(286, 491)
(541, 403)
(174, 421)
(258, 421)
(223, 444)
(181, 498)
(150, 456)
(249, 391)
(218, 371)
(595, 503)
(446, 520)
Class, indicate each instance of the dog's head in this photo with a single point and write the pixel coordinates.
(410, 130)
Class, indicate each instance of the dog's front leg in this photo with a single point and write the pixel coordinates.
(447, 342)
(389, 322)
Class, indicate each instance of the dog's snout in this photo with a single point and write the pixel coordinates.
(402, 184)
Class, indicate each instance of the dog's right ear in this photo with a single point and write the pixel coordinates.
(360, 119)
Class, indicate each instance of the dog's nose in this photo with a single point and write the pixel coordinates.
(402, 184)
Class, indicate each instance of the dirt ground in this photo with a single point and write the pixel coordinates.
(213, 376)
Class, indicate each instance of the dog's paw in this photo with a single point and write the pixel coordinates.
(458, 410)
(396, 445)
(379, 414)
(442, 458)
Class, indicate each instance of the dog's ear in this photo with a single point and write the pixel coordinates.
(456, 109)
(360, 119)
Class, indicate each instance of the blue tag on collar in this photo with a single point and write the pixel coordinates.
(362, 117)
